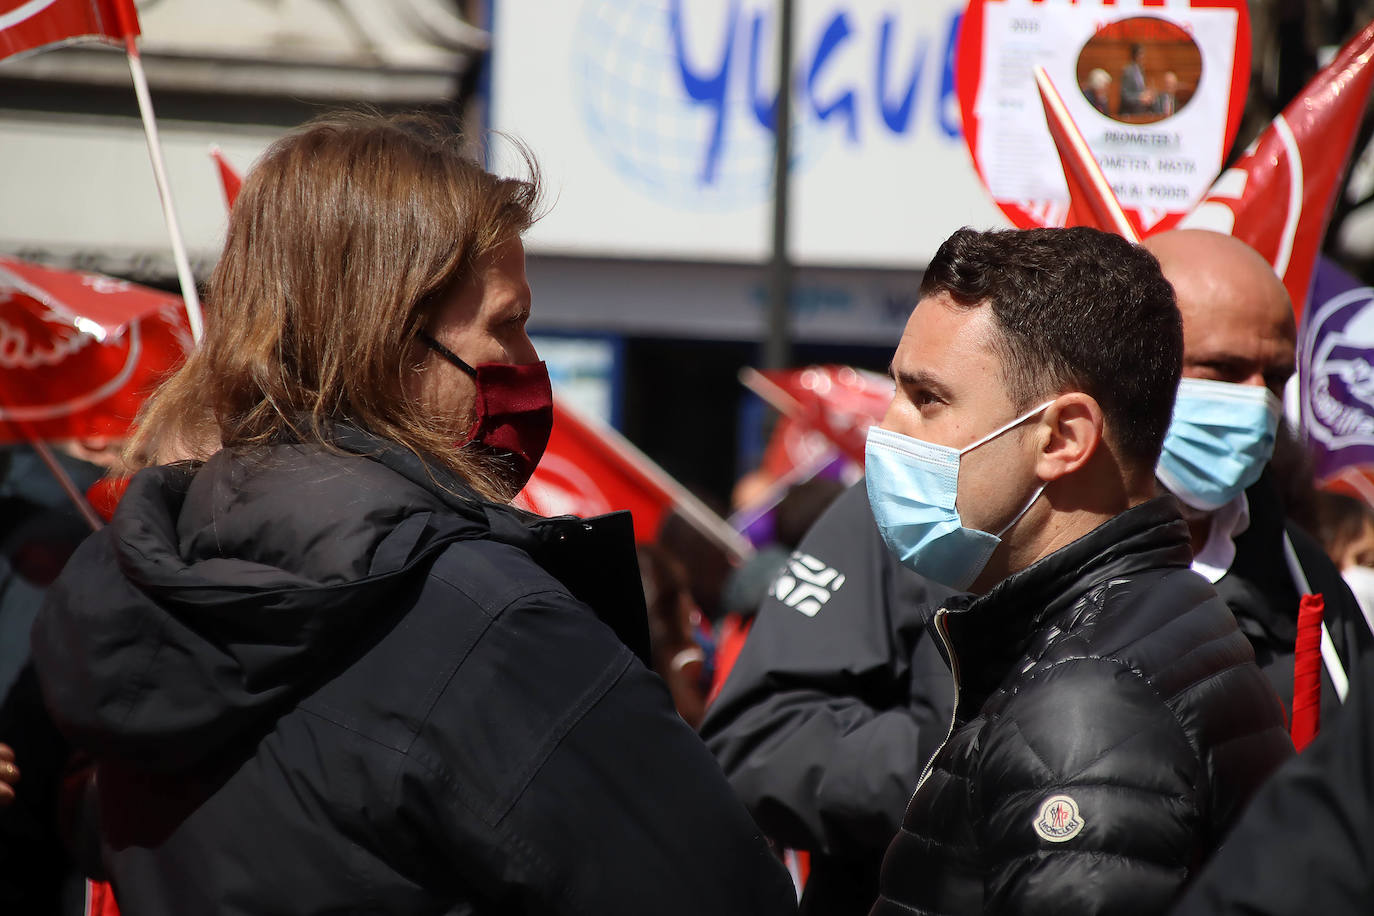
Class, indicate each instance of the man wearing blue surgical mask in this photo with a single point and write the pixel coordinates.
(1102, 688)
(1238, 354)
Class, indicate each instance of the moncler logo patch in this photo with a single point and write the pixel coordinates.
(1058, 820)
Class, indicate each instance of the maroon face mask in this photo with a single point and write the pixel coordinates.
(514, 409)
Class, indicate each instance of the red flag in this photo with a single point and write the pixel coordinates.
(30, 25)
(229, 176)
(1278, 197)
(79, 352)
(1307, 671)
(793, 445)
(838, 401)
(1091, 199)
(590, 469)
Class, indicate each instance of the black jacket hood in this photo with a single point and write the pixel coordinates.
(222, 593)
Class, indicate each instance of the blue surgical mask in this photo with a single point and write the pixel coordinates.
(1220, 439)
(912, 488)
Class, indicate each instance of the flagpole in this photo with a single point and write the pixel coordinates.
(64, 480)
(59, 473)
(164, 189)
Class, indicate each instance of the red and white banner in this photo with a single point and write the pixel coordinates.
(590, 469)
(1156, 86)
(79, 352)
(30, 25)
(1278, 198)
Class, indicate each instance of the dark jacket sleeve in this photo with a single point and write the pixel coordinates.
(1094, 732)
(839, 696)
(1306, 844)
(554, 776)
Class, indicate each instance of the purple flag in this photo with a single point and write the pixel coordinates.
(1335, 371)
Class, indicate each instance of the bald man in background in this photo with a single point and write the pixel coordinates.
(1240, 340)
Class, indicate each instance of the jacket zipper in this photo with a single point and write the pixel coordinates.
(941, 627)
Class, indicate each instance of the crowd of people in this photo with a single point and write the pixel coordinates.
(318, 663)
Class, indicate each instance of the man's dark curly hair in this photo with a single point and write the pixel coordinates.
(1078, 309)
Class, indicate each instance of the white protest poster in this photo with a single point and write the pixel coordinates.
(1155, 86)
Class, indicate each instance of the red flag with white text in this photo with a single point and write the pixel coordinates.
(31, 25)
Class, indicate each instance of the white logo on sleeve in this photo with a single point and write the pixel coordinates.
(806, 584)
(1058, 820)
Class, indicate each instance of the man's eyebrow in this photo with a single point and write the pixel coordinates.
(917, 379)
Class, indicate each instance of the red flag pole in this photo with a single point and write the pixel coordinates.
(64, 480)
(59, 473)
(128, 23)
(1080, 167)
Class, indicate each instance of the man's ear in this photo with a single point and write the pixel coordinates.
(1070, 432)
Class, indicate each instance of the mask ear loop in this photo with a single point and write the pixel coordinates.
(999, 431)
(1013, 424)
(447, 354)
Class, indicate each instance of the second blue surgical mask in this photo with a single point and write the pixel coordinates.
(1221, 437)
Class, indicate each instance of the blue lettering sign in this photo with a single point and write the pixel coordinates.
(708, 90)
(835, 34)
(895, 95)
(947, 112)
(765, 111)
(898, 116)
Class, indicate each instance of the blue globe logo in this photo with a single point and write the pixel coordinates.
(694, 132)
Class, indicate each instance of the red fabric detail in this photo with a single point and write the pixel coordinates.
(734, 630)
(1307, 671)
(28, 25)
(101, 899)
(105, 494)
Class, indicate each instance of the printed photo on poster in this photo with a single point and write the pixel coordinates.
(1140, 70)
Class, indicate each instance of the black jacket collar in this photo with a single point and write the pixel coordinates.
(990, 633)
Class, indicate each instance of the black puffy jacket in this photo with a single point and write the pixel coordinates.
(1110, 724)
(321, 683)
